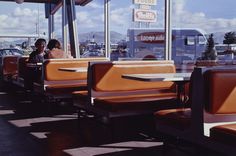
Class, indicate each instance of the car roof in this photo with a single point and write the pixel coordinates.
(10, 49)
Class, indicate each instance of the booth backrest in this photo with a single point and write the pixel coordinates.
(220, 87)
(9, 65)
(22, 66)
(51, 70)
(107, 76)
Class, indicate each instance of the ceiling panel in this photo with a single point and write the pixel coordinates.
(78, 2)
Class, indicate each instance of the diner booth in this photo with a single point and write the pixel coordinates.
(159, 92)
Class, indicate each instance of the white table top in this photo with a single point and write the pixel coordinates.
(74, 69)
(159, 77)
(39, 64)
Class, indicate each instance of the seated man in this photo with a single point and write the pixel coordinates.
(38, 55)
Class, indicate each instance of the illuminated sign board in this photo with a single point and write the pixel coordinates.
(146, 2)
(141, 15)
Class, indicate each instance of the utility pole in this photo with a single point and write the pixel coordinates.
(37, 23)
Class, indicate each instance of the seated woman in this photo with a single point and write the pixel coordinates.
(149, 57)
(55, 50)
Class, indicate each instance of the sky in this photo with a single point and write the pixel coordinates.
(209, 15)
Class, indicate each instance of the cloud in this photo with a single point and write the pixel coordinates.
(88, 22)
(21, 21)
(187, 19)
(121, 17)
(91, 18)
(18, 12)
(95, 5)
(178, 6)
(3, 21)
(85, 19)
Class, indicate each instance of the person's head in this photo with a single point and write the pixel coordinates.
(40, 44)
(149, 57)
(121, 47)
(53, 43)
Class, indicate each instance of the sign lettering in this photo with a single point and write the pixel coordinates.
(141, 15)
(152, 37)
(146, 2)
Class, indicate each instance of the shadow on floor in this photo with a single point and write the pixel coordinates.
(28, 129)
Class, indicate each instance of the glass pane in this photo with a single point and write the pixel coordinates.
(21, 24)
(58, 25)
(190, 40)
(199, 19)
(90, 20)
(137, 29)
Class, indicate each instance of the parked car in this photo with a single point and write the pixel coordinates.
(11, 51)
(94, 53)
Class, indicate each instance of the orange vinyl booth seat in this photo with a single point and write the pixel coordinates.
(9, 67)
(110, 95)
(22, 71)
(58, 84)
(222, 101)
(213, 99)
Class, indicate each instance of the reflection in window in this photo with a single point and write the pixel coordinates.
(136, 29)
(217, 20)
(201, 40)
(190, 40)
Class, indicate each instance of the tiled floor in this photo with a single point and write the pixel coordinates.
(26, 130)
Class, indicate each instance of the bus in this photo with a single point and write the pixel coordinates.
(187, 44)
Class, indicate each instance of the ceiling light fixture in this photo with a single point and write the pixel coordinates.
(19, 1)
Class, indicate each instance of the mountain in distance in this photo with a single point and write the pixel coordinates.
(99, 37)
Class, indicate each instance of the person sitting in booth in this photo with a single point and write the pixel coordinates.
(37, 55)
(34, 68)
(55, 51)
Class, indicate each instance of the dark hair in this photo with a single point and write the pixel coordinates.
(122, 46)
(53, 43)
(149, 57)
(39, 41)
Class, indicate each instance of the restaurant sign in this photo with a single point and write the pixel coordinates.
(141, 15)
(145, 7)
(152, 37)
(146, 2)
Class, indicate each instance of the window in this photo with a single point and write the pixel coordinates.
(90, 20)
(190, 40)
(137, 29)
(202, 17)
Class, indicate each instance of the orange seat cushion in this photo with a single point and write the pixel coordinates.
(135, 102)
(224, 133)
(221, 92)
(178, 118)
